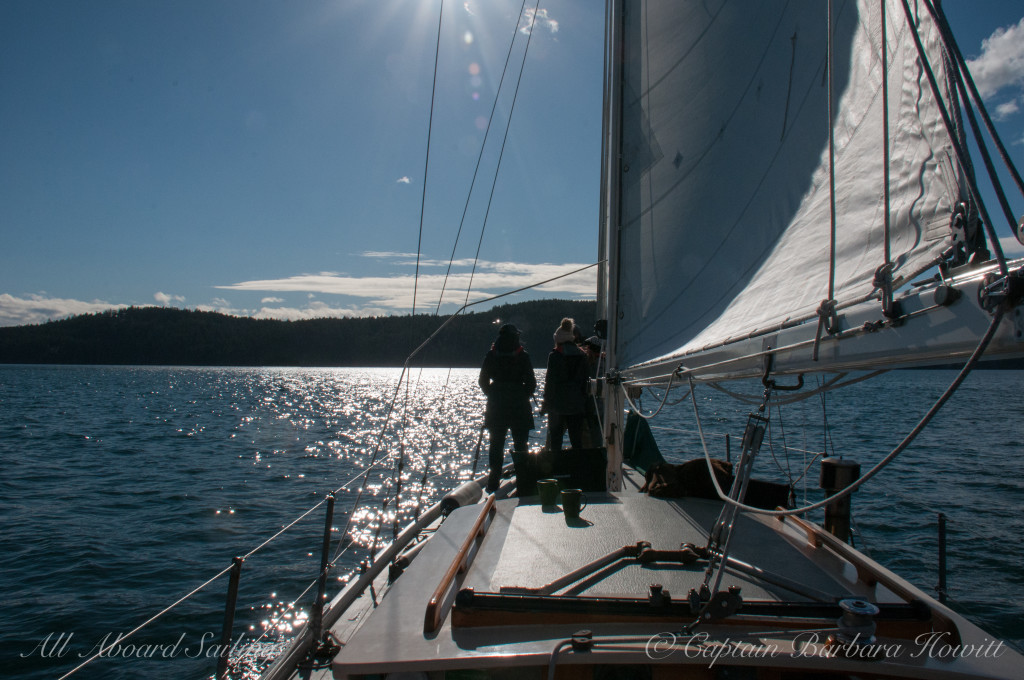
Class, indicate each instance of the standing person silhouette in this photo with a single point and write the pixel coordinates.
(507, 379)
(594, 403)
(565, 388)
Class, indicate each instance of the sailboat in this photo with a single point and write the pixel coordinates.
(789, 189)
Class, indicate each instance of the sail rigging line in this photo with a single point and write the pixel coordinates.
(426, 161)
(465, 210)
(380, 525)
(501, 153)
(831, 172)
(902, 446)
(376, 450)
(479, 158)
(827, 318)
(954, 50)
(826, 432)
(815, 455)
(636, 409)
(831, 384)
(416, 351)
(431, 458)
(785, 449)
(598, 407)
(419, 251)
(400, 464)
(753, 436)
(961, 153)
(887, 292)
(979, 140)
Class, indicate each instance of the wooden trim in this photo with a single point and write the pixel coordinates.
(870, 573)
(432, 617)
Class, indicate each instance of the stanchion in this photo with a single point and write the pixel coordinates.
(317, 615)
(942, 558)
(229, 618)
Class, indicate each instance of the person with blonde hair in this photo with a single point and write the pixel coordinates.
(565, 388)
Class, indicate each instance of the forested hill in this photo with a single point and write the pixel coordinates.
(167, 336)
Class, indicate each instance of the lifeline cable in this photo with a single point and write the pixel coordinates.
(121, 638)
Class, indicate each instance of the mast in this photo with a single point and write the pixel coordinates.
(608, 278)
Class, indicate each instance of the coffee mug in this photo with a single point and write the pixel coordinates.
(547, 489)
(573, 501)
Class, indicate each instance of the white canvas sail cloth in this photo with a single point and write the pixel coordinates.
(725, 216)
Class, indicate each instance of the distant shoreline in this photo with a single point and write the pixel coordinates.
(158, 336)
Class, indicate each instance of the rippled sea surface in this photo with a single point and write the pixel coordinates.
(124, 489)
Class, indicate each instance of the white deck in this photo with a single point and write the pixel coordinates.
(527, 545)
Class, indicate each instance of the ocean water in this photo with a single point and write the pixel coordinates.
(124, 489)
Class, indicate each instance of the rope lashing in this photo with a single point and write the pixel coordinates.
(883, 282)
(828, 320)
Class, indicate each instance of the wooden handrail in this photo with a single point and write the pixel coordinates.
(870, 573)
(432, 618)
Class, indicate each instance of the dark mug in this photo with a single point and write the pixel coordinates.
(573, 501)
(547, 489)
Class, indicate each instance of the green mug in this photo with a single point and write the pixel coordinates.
(547, 489)
(573, 501)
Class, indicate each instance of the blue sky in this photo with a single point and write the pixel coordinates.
(266, 158)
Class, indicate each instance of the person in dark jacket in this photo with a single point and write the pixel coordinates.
(565, 388)
(594, 403)
(507, 379)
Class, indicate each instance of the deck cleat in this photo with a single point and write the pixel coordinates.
(658, 596)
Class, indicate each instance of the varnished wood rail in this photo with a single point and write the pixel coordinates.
(432, 618)
(870, 573)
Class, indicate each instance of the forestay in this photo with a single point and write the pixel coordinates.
(725, 174)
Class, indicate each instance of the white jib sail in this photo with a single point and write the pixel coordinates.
(725, 171)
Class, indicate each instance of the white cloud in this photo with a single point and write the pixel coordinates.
(403, 180)
(539, 19)
(388, 293)
(165, 299)
(395, 292)
(222, 306)
(34, 309)
(386, 254)
(318, 310)
(1002, 60)
(1007, 109)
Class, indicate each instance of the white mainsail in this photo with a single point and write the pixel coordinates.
(727, 170)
